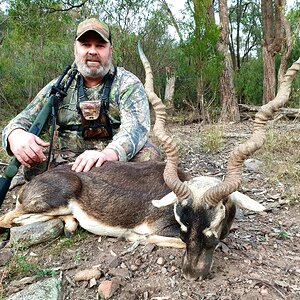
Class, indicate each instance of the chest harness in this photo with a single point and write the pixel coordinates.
(95, 122)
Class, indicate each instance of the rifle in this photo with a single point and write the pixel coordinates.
(56, 95)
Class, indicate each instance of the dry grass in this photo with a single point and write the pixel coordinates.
(281, 160)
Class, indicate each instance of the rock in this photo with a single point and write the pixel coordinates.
(107, 288)
(160, 261)
(252, 164)
(113, 262)
(87, 274)
(17, 180)
(124, 273)
(36, 233)
(239, 215)
(5, 255)
(93, 282)
(134, 267)
(48, 289)
(149, 248)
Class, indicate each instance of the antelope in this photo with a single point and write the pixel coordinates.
(149, 202)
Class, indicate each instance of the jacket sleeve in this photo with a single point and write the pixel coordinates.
(25, 118)
(134, 117)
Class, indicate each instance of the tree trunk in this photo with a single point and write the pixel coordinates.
(271, 45)
(200, 112)
(287, 44)
(173, 19)
(269, 81)
(170, 89)
(229, 103)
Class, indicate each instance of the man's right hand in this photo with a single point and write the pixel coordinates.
(26, 147)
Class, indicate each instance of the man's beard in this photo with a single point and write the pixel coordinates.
(99, 72)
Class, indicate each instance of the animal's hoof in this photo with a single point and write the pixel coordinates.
(68, 233)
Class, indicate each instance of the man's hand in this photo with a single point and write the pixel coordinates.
(26, 147)
(89, 158)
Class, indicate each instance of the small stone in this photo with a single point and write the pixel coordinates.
(252, 164)
(87, 274)
(149, 248)
(93, 282)
(107, 288)
(124, 273)
(113, 262)
(138, 262)
(160, 261)
(264, 291)
(173, 269)
(134, 267)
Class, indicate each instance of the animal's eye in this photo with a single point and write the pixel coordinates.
(185, 222)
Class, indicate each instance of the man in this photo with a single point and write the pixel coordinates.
(89, 140)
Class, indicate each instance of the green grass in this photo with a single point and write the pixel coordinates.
(22, 265)
(212, 140)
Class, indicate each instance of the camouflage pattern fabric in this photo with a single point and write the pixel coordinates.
(128, 104)
(148, 152)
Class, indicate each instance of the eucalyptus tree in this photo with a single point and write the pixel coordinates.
(274, 36)
(201, 52)
(229, 104)
(37, 46)
(245, 30)
(131, 20)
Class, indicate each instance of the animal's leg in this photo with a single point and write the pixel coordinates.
(71, 225)
(26, 219)
(7, 220)
(165, 241)
(159, 240)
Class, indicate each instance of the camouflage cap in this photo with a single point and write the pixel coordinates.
(95, 25)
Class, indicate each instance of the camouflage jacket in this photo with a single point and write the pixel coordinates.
(128, 104)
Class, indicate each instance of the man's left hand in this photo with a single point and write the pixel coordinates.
(90, 158)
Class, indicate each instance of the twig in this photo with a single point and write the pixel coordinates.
(271, 286)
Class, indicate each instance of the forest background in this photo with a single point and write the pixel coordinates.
(222, 55)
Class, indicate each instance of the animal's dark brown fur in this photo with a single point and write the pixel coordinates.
(123, 188)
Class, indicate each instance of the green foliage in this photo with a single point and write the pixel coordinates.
(198, 58)
(77, 256)
(249, 82)
(22, 265)
(282, 234)
(36, 42)
(40, 273)
(80, 235)
(36, 50)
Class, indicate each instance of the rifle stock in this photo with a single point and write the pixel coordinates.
(56, 94)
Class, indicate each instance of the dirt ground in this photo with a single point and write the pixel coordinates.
(260, 259)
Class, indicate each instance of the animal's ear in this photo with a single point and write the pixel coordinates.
(165, 201)
(244, 201)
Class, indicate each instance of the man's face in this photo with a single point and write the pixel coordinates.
(92, 55)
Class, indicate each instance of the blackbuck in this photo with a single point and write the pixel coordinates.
(151, 201)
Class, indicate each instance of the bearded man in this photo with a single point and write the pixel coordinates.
(104, 116)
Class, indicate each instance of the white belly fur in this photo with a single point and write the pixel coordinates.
(94, 226)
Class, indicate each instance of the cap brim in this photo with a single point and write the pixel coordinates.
(97, 31)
